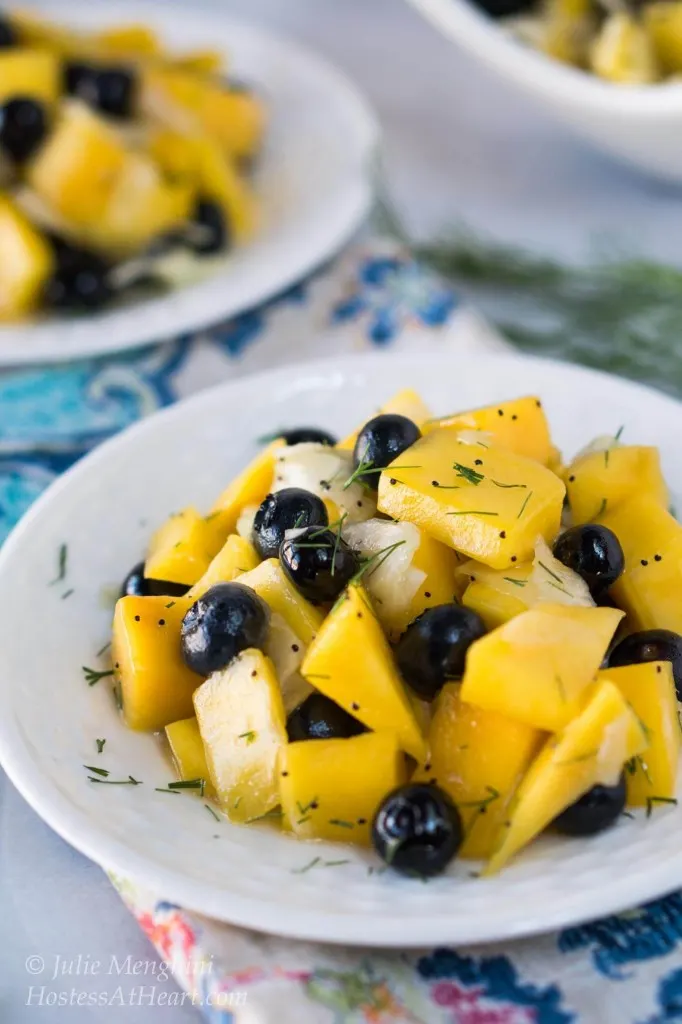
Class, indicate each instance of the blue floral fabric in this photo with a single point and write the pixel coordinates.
(626, 969)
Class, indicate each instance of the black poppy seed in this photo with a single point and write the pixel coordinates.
(359, 504)
(658, 558)
(314, 805)
(482, 810)
(162, 622)
(284, 774)
(513, 558)
(359, 615)
(254, 674)
(393, 481)
(644, 561)
(427, 593)
(117, 665)
(137, 618)
(355, 707)
(433, 782)
(503, 534)
(362, 821)
(478, 462)
(473, 579)
(515, 417)
(295, 648)
(427, 767)
(538, 403)
(434, 483)
(279, 479)
(658, 668)
(500, 412)
(571, 479)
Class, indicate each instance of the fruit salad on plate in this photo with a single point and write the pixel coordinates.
(120, 163)
(431, 636)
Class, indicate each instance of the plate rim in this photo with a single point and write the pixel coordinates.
(351, 206)
(74, 825)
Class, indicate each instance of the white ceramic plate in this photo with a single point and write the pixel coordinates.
(104, 510)
(313, 180)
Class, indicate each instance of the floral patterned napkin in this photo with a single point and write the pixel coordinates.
(623, 970)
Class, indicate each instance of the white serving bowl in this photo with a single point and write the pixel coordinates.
(640, 125)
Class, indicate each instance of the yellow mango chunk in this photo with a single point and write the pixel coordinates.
(613, 476)
(592, 749)
(649, 589)
(218, 178)
(78, 167)
(404, 403)
(141, 206)
(539, 666)
(438, 563)
(497, 595)
(180, 550)
(487, 503)
(156, 685)
(663, 22)
(32, 73)
(128, 41)
(233, 118)
(649, 689)
(200, 62)
(518, 426)
(350, 662)
(270, 583)
(250, 487)
(494, 607)
(242, 725)
(187, 751)
(623, 52)
(479, 758)
(26, 264)
(331, 789)
(236, 557)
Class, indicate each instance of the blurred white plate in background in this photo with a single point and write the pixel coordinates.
(313, 179)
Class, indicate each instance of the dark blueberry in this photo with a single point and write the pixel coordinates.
(23, 126)
(319, 563)
(319, 718)
(136, 584)
(381, 441)
(78, 77)
(80, 280)
(288, 509)
(651, 645)
(417, 830)
(594, 552)
(503, 8)
(227, 619)
(595, 811)
(210, 232)
(8, 36)
(433, 648)
(112, 91)
(303, 435)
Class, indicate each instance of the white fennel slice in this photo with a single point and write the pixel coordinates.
(245, 521)
(391, 580)
(324, 471)
(552, 581)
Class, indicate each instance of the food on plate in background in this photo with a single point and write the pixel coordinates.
(117, 157)
(627, 44)
(433, 637)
